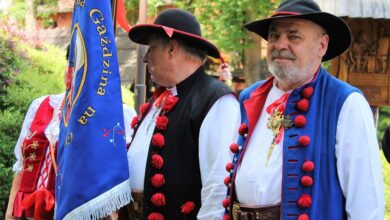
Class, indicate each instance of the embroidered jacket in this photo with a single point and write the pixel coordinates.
(310, 186)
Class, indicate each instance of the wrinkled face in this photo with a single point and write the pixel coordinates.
(295, 50)
(157, 59)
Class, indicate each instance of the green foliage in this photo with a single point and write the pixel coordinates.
(27, 77)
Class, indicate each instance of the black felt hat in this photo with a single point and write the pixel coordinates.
(176, 24)
(338, 31)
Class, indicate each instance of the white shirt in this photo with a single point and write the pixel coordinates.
(53, 129)
(358, 162)
(217, 132)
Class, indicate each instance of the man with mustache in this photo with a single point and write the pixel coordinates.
(307, 147)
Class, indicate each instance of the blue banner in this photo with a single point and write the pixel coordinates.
(92, 175)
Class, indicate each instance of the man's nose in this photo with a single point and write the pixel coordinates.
(281, 43)
(146, 56)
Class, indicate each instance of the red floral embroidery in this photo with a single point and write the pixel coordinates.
(304, 140)
(157, 180)
(304, 201)
(300, 121)
(155, 216)
(304, 216)
(307, 92)
(308, 166)
(158, 140)
(162, 122)
(303, 105)
(306, 181)
(158, 199)
(134, 122)
(157, 161)
(170, 102)
(187, 207)
(234, 148)
(243, 129)
(143, 108)
(225, 203)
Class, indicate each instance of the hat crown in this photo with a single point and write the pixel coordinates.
(298, 6)
(179, 20)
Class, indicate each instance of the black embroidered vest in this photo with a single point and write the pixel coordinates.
(197, 94)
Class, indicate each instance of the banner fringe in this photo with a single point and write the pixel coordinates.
(104, 204)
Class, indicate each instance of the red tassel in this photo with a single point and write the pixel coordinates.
(307, 181)
(307, 92)
(229, 166)
(162, 122)
(227, 180)
(158, 140)
(225, 203)
(308, 166)
(304, 140)
(303, 105)
(304, 201)
(187, 207)
(158, 199)
(243, 130)
(155, 216)
(300, 121)
(304, 216)
(234, 148)
(157, 161)
(157, 180)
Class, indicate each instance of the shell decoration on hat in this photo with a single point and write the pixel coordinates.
(306, 180)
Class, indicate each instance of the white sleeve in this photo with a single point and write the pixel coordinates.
(358, 160)
(128, 115)
(218, 131)
(30, 115)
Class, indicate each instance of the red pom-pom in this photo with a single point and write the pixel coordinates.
(157, 180)
(155, 216)
(225, 203)
(227, 180)
(307, 92)
(300, 121)
(158, 140)
(303, 216)
(143, 108)
(134, 122)
(304, 201)
(307, 181)
(157, 161)
(303, 105)
(308, 166)
(226, 217)
(158, 199)
(170, 102)
(187, 207)
(243, 130)
(162, 122)
(304, 140)
(229, 166)
(234, 148)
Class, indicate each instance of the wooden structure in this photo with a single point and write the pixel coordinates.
(366, 64)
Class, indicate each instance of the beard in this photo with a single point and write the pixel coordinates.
(289, 74)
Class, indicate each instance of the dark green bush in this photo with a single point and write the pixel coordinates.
(25, 74)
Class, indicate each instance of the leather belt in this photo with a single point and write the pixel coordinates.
(244, 212)
(135, 208)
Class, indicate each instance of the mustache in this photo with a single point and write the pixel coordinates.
(282, 54)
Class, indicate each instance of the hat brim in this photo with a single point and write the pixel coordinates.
(338, 31)
(140, 34)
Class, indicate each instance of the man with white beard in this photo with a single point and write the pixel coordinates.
(307, 147)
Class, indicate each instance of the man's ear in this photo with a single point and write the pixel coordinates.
(323, 47)
(173, 48)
